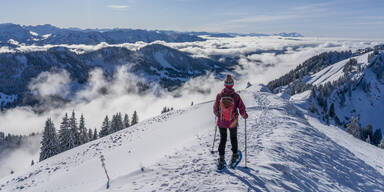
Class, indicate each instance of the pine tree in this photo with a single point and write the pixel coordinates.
(105, 127)
(126, 121)
(94, 134)
(74, 132)
(50, 145)
(332, 110)
(119, 123)
(165, 109)
(354, 128)
(90, 134)
(367, 132)
(65, 134)
(113, 125)
(135, 118)
(32, 163)
(83, 136)
(368, 140)
(381, 145)
(377, 136)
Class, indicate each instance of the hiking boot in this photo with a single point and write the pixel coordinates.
(235, 158)
(221, 163)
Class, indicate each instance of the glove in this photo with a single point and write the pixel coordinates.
(245, 116)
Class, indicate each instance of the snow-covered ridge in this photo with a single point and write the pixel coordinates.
(335, 72)
(48, 34)
(287, 151)
(153, 63)
(341, 91)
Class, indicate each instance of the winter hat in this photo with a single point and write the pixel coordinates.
(228, 82)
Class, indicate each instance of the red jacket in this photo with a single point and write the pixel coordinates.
(238, 105)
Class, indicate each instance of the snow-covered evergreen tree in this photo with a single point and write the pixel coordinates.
(377, 136)
(381, 145)
(166, 109)
(332, 110)
(74, 136)
(116, 123)
(368, 140)
(105, 127)
(354, 128)
(65, 134)
(367, 132)
(119, 122)
(83, 135)
(126, 121)
(90, 134)
(94, 134)
(135, 118)
(50, 145)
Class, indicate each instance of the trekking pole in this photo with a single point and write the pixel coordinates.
(245, 134)
(214, 139)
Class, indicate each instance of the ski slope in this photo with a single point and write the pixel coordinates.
(287, 151)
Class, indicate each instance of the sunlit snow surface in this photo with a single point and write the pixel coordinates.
(287, 151)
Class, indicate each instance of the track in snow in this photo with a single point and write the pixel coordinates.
(284, 154)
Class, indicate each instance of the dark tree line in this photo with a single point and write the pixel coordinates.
(72, 134)
(167, 109)
(117, 123)
(310, 66)
(10, 141)
(365, 133)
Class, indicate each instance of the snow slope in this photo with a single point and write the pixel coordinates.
(365, 98)
(287, 151)
(335, 72)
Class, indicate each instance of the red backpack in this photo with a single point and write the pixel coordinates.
(227, 108)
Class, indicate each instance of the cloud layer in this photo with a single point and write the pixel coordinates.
(260, 59)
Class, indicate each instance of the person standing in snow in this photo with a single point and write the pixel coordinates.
(226, 108)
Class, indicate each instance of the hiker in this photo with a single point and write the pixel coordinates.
(226, 109)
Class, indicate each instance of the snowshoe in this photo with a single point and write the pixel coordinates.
(236, 158)
(221, 165)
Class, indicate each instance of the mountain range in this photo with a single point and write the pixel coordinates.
(49, 34)
(154, 63)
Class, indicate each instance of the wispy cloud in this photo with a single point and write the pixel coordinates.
(263, 18)
(293, 13)
(118, 6)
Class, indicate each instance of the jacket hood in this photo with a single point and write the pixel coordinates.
(227, 90)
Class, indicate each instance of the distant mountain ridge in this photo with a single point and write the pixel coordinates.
(213, 34)
(49, 34)
(154, 63)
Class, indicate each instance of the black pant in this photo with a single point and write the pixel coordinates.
(223, 140)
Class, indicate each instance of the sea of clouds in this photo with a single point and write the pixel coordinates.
(261, 59)
(258, 63)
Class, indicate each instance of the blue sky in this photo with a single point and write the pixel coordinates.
(332, 18)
